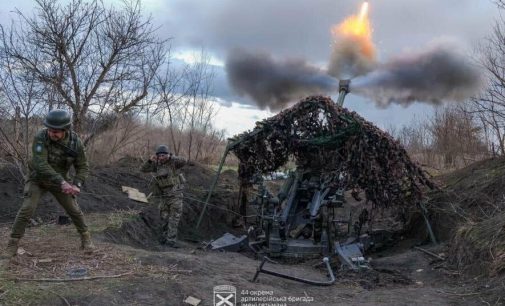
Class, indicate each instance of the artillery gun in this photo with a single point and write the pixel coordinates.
(309, 217)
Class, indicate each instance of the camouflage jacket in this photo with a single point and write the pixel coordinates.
(52, 160)
(166, 175)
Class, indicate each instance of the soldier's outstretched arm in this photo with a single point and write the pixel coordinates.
(81, 165)
(40, 165)
(180, 162)
(148, 166)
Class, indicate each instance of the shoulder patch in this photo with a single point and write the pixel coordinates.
(38, 147)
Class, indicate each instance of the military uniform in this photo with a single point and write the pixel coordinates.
(54, 151)
(49, 167)
(167, 192)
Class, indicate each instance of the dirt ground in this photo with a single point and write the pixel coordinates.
(102, 193)
(168, 277)
(131, 268)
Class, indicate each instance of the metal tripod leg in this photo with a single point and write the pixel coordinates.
(298, 279)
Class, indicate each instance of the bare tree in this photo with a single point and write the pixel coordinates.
(456, 136)
(97, 59)
(187, 106)
(201, 109)
(416, 139)
(171, 90)
(21, 96)
(452, 137)
(118, 141)
(490, 106)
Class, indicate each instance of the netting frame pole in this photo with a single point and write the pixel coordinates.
(424, 212)
(214, 183)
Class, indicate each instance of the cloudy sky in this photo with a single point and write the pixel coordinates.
(301, 29)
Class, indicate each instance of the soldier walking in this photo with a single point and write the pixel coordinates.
(55, 149)
(167, 190)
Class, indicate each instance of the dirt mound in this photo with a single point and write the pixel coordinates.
(11, 191)
(469, 213)
(481, 246)
(477, 189)
(220, 214)
(141, 232)
(102, 193)
(472, 194)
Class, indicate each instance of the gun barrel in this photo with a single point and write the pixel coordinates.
(343, 90)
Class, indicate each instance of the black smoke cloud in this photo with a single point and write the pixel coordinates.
(435, 75)
(273, 84)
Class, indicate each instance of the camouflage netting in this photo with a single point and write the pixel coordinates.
(332, 140)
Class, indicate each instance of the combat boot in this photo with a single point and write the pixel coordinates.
(86, 244)
(12, 248)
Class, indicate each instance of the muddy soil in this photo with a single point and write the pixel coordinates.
(102, 193)
(140, 271)
(168, 277)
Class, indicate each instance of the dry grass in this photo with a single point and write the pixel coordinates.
(52, 251)
(481, 243)
(130, 137)
(469, 212)
(117, 218)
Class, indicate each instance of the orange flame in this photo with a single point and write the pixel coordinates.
(357, 28)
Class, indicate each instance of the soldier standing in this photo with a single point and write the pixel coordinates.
(167, 190)
(54, 150)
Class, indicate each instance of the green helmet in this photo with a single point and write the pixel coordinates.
(162, 149)
(58, 119)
